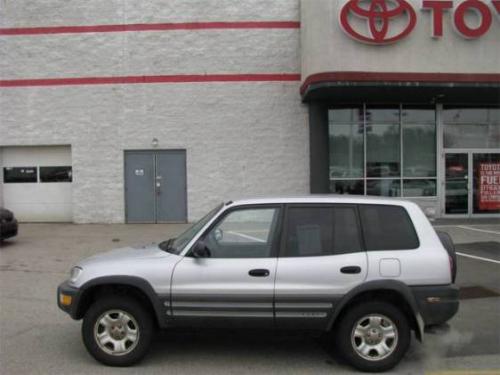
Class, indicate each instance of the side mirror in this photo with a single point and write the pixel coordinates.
(200, 250)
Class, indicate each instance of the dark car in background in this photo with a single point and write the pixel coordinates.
(8, 224)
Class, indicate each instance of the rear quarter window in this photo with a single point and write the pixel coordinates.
(387, 228)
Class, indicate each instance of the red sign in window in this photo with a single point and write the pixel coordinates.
(489, 186)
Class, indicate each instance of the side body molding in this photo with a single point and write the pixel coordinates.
(156, 300)
(381, 286)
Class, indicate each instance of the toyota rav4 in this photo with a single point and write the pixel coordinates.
(368, 271)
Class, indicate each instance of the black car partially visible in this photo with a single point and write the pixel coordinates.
(8, 224)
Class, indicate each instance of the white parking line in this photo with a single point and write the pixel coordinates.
(252, 238)
(445, 226)
(478, 258)
(477, 229)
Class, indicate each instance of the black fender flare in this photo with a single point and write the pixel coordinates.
(383, 285)
(123, 280)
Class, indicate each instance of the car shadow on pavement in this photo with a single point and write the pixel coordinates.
(6, 244)
(264, 351)
(248, 350)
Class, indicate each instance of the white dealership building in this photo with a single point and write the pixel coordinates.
(153, 111)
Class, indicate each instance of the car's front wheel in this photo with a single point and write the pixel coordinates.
(117, 331)
(373, 336)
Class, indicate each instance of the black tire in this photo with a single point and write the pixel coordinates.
(450, 248)
(134, 309)
(349, 320)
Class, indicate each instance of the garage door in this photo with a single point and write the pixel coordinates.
(36, 183)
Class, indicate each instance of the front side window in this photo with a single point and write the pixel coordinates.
(387, 228)
(20, 175)
(321, 231)
(244, 233)
(177, 245)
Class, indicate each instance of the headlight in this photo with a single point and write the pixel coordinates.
(75, 274)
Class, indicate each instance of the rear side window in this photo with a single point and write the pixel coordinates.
(387, 228)
(320, 231)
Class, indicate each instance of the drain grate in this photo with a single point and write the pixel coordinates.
(473, 292)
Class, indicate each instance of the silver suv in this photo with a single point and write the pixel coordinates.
(367, 270)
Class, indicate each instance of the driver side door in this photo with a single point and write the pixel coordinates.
(234, 284)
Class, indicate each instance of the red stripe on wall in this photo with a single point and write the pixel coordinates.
(189, 78)
(399, 77)
(150, 27)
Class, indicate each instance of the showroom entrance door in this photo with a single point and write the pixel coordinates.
(472, 183)
(155, 186)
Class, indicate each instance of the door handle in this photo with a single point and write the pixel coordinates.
(351, 269)
(258, 273)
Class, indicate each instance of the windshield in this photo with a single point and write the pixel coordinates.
(175, 246)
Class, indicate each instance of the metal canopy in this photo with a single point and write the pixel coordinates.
(408, 92)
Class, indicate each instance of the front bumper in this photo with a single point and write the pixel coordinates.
(437, 304)
(67, 293)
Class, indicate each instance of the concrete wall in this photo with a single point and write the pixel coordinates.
(26, 13)
(242, 138)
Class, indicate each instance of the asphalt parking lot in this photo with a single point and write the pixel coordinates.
(36, 337)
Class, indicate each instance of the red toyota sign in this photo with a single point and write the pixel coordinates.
(380, 17)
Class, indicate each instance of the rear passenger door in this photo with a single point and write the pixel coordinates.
(321, 259)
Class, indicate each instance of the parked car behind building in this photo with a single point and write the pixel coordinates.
(8, 224)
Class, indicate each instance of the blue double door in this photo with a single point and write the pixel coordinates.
(155, 186)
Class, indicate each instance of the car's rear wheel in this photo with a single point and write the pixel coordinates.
(117, 331)
(373, 336)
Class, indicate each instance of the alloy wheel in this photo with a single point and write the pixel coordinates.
(116, 332)
(374, 337)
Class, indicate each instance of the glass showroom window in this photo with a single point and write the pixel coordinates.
(383, 151)
(387, 151)
(471, 127)
(346, 151)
